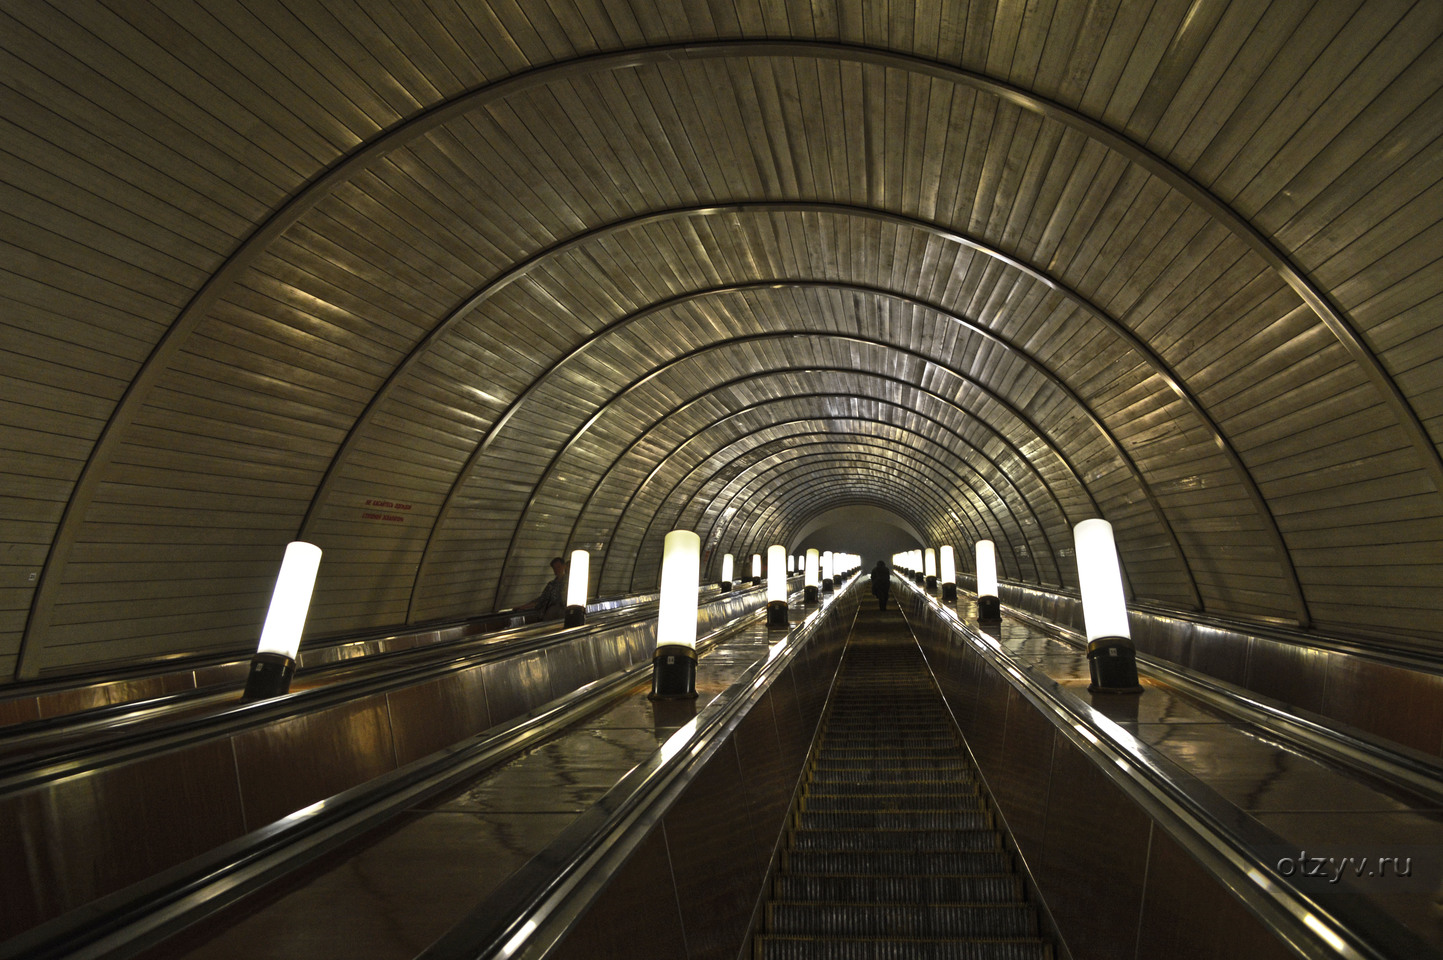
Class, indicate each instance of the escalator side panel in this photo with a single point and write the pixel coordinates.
(297, 761)
(88, 834)
(1116, 885)
(429, 716)
(707, 858)
(76, 839)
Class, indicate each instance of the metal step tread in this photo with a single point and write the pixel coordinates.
(895, 820)
(772, 947)
(892, 852)
(905, 920)
(906, 863)
(940, 888)
(896, 841)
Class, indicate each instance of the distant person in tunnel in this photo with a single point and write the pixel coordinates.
(881, 584)
(551, 604)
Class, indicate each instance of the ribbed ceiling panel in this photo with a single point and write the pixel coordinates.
(273, 270)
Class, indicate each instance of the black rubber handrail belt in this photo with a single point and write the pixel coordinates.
(545, 899)
(137, 917)
(1317, 920)
(119, 744)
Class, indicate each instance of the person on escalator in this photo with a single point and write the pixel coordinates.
(551, 604)
(881, 584)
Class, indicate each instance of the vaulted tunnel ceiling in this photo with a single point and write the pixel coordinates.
(449, 288)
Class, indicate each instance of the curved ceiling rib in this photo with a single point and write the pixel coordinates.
(739, 479)
(962, 441)
(819, 475)
(745, 483)
(736, 468)
(1149, 357)
(1123, 457)
(668, 496)
(830, 493)
(702, 507)
(809, 523)
(288, 214)
(807, 490)
(816, 483)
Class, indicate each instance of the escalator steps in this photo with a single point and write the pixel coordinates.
(894, 800)
(904, 863)
(891, 852)
(933, 888)
(898, 820)
(931, 921)
(888, 841)
(841, 948)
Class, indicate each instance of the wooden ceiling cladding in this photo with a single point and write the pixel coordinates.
(266, 262)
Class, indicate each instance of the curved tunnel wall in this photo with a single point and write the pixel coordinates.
(454, 294)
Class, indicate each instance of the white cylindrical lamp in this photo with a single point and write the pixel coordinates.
(777, 587)
(812, 578)
(274, 662)
(947, 572)
(1111, 657)
(673, 665)
(989, 607)
(576, 584)
(929, 567)
(828, 585)
(756, 569)
(728, 566)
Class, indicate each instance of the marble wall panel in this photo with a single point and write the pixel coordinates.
(636, 915)
(1288, 672)
(719, 858)
(1402, 705)
(294, 762)
(1024, 771)
(72, 840)
(430, 716)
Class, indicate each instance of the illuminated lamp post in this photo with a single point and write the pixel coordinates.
(811, 579)
(1111, 657)
(989, 607)
(777, 587)
(947, 563)
(673, 665)
(791, 564)
(929, 568)
(727, 564)
(274, 662)
(756, 569)
(827, 585)
(576, 588)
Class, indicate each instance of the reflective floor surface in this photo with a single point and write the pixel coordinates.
(390, 895)
(1380, 843)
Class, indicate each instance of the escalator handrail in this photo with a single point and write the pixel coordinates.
(548, 895)
(1316, 920)
(142, 914)
(28, 772)
(1405, 655)
(1371, 755)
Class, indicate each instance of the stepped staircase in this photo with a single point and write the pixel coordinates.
(892, 852)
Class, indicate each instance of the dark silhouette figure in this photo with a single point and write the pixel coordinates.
(881, 584)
